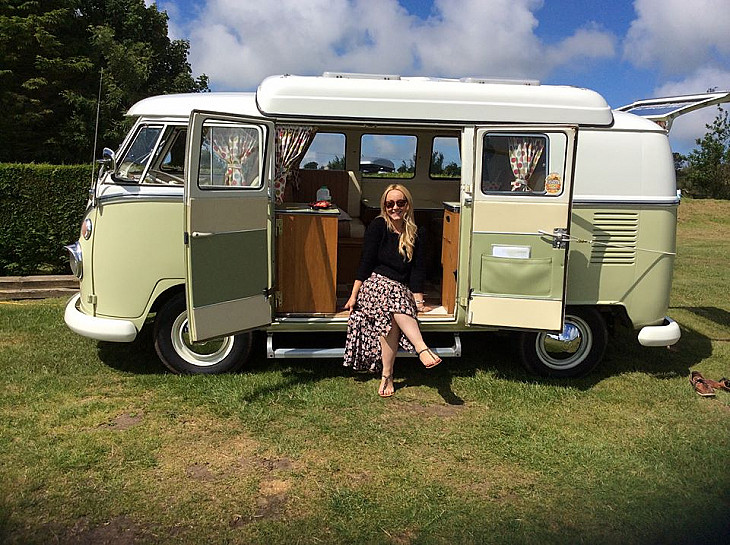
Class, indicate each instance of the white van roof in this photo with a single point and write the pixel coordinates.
(387, 97)
(181, 105)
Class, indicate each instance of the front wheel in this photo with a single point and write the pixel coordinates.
(181, 355)
(574, 352)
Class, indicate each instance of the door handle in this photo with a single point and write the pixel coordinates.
(559, 235)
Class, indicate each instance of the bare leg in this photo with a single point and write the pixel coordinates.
(388, 350)
(409, 326)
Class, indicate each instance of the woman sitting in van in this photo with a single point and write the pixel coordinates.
(388, 292)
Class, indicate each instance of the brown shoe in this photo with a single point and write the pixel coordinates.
(722, 384)
(701, 385)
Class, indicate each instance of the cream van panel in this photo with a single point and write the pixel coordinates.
(136, 244)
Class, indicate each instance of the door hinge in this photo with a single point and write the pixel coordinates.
(279, 226)
(186, 238)
(91, 299)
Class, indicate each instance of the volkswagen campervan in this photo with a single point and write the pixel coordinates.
(547, 213)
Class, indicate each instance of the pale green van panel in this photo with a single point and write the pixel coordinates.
(138, 247)
(635, 271)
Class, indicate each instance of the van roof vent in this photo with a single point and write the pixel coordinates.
(352, 75)
(501, 81)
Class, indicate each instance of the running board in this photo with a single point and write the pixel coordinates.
(338, 353)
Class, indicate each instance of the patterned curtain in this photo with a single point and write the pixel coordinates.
(524, 154)
(235, 147)
(291, 144)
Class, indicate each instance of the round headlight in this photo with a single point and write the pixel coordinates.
(86, 229)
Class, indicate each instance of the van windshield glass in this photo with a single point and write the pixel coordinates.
(139, 153)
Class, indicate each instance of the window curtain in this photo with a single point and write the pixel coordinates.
(235, 148)
(291, 144)
(524, 154)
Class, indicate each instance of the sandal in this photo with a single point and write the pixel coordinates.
(435, 360)
(381, 391)
(701, 386)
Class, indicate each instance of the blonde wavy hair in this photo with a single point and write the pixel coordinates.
(407, 238)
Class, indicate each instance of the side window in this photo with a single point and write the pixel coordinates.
(326, 152)
(516, 163)
(445, 157)
(139, 153)
(230, 156)
(173, 162)
(388, 155)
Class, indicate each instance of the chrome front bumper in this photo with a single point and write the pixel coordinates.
(660, 335)
(102, 329)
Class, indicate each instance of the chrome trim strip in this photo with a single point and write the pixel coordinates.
(110, 199)
(615, 202)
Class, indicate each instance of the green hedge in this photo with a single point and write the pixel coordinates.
(41, 207)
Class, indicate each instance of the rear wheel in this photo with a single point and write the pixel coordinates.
(180, 355)
(574, 352)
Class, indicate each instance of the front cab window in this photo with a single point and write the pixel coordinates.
(155, 156)
(133, 164)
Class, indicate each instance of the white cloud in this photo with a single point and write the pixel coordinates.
(679, 35)
(239, 42)
(687, 128)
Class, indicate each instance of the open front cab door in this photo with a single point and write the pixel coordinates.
(521, 197)
(227, 224)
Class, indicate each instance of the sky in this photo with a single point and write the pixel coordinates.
(626, 50)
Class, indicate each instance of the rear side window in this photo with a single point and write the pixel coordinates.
(445, 157)
(327, 152)
(388, 155)
(514, 163)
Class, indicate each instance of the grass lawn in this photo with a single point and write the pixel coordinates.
(98, 444)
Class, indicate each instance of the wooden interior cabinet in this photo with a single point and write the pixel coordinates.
(450, 257)
(306, 261)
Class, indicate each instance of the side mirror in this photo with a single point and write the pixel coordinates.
(108, 160)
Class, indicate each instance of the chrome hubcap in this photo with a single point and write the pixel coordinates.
(203, 354)
(569, 348)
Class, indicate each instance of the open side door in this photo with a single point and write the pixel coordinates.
(227, 224)
(664, 111)
(521, 198)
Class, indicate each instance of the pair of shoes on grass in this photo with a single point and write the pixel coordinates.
(706, 387)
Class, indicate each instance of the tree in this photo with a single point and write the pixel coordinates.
(53, 54)
(338, 163)
(708, 166)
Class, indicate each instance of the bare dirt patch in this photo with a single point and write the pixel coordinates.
(120, 530)
(125, 421)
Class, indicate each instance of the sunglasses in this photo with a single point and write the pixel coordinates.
(400, 202)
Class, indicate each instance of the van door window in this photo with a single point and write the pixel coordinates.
(230, 157)
(516, 163)
(139, 153)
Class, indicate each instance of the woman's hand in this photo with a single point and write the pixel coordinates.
(420, 302)
(350, 305)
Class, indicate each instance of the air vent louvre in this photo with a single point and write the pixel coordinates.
(614, 236)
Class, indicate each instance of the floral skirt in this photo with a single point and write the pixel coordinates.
(378, 299)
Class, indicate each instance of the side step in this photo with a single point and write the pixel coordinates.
(271, 352)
